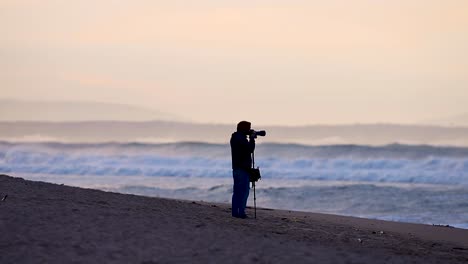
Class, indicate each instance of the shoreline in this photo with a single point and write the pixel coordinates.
(168, 186)
(45, 222)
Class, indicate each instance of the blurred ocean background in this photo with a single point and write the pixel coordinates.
(410, 183)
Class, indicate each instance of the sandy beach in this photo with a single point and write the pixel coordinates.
(50, 223)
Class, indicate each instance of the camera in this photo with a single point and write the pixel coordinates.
(254, 134)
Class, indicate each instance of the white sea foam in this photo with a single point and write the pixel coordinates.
(183, 160)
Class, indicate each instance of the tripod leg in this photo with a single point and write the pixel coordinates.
(255, 202)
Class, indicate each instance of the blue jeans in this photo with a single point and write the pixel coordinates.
(240, 191)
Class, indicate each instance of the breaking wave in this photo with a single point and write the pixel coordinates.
(391, 163)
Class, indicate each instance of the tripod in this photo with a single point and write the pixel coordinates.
(253, 185)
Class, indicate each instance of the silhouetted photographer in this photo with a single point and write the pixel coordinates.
(243, 166)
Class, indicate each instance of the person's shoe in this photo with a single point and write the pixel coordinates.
(243, 216)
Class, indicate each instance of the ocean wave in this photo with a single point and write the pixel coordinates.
(392, 163)
(265, 150)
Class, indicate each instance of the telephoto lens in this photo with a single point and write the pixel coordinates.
(254, 133)
(261, 133)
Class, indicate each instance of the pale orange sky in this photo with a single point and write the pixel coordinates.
(272, 62)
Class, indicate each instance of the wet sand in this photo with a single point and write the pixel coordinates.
(50, 223)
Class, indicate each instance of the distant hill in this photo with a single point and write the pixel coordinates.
(458, 120)
(164, 131)
(19, 110)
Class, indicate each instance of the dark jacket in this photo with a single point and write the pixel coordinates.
(241, 150)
